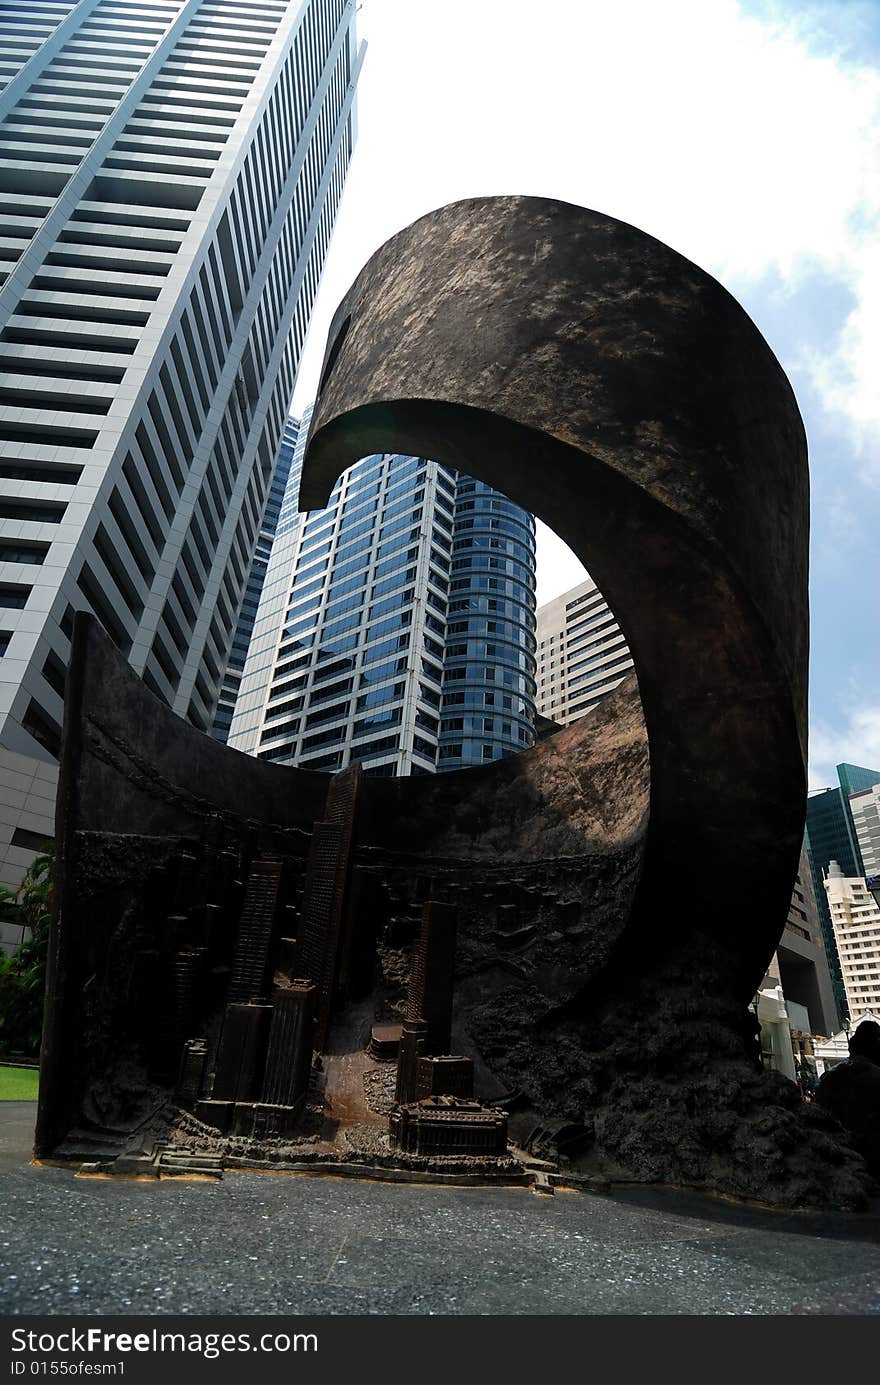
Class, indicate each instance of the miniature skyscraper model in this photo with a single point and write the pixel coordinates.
(435, 1112)
(427, 1024)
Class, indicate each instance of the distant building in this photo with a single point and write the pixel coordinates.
(864, 806)
(796, 998)
(855, 917)
(396, 626)
(855, 778)
(831, 836)
(252, 592)
(582, 655)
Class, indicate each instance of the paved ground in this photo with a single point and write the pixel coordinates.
(257, 1243)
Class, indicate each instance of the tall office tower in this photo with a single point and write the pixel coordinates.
(856, 920)
(855, 779)
(831, 836)
(489, 665)
(865, 808)
(582, 654)
(256, 577)
(169, 175)
(396, 626)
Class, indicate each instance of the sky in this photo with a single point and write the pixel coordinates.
(743, 133)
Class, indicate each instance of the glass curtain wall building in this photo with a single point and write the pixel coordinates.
(831, 836)
(488, 705)
(864, 805)
(170, 172)
(396, 626)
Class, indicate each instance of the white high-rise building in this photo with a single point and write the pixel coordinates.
(582, 654)
(253, 590)
(855, 918)
(170, 172)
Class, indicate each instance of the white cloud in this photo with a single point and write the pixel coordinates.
(856, 742)
(846, 381)
(727, 138)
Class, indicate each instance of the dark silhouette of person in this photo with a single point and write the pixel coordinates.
(851, 1092)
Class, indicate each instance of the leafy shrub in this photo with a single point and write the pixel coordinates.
(23, 975)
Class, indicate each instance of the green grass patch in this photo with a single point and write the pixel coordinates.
(18, 1084)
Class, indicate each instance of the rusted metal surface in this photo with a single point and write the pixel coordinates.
(618, 888)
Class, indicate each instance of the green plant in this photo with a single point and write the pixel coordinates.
(18, 1084)
(23, 975)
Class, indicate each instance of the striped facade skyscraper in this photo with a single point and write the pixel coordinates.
(253, 590)
(170, 172)
(396, 627)
(582, 655)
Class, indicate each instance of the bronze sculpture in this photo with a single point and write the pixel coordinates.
(620, 888)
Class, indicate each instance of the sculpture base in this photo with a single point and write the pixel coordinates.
(658, 1089)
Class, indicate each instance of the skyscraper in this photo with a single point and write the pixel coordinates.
(831, 836)
(489, 684)
(582, 654)
(856, 920)
(169, 176)
(864, 805)
(396, 627)
(256, 577)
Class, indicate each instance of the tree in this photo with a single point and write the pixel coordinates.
(23, 975)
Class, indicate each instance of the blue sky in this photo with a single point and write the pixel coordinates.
(746, 134)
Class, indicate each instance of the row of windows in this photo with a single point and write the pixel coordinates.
(485, 562)
(498, 660)
(477, 751)
(519, 531)
(282, 271)
(473, 697)
(370, 701)
(601, 667)
(98, 252)
(108, 224)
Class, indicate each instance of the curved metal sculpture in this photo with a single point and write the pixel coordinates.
(610, 386)
(619, 888)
